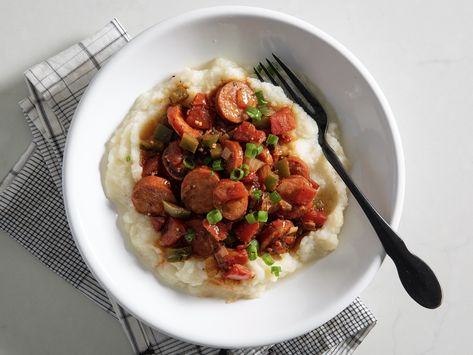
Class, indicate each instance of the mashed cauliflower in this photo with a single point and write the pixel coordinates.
(123, 169)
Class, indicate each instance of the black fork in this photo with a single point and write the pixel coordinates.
(416, 276)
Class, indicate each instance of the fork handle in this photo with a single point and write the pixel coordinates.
(416, 276)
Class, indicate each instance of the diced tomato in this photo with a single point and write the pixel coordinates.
(314, 183)
(219, 230)
(200, 115)
(157, 223)
(245, 231)
(303, 195)
(266, 156)
(236, 257)
(239, 272)
(200, 100)
(151, 166)
(285, 138)
(282, 121)
(313, 219)
(247, 132)
(173, 231)
(250, 179)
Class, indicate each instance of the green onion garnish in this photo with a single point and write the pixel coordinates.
(237, 174)
(254, 113)
(272, 139)
(256, 194)
(206, 160)
(190, 235)
(217, 165)
(214, 216)
(128, 158)
(251, 218)
(264, 110)
(260, 96)
(251, 150)
(268, 259)
(275, 197)
(245, 168)
(252, 249)
(189, 162)
(276, 269)
(259, 149)
(261, 216)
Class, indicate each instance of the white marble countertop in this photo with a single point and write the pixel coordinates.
(421, 54)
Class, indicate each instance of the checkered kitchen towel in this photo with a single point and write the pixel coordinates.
(32, 210)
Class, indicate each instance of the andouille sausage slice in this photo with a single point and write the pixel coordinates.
(197, 188)
(231, 198)
(203, 244)
(174, 229)
(232, 99)
(235, 160)
(149, 193)
(173, 161)
(177, 121)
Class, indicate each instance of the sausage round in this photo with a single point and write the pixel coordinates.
(177, 121)
(231, 198)
(149, 193)
(197, 188)
(173, 157)
(232, 100)
(235, 160)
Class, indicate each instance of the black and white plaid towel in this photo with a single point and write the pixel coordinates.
(32, 210)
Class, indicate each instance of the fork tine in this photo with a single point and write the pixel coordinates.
(268, 74)
(301, 87)
(258, 75)
(287, 87)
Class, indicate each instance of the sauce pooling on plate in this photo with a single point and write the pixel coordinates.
(218, 181)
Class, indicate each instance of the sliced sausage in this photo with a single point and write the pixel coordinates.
(203, 244)
(151, 166)
(231, 198)
(247, 132)
(173, 161)
(296, 190)
(200, 115)
(282, 121)
(274, 231)
(149, 193)
(233, 98)
(297, 166)
(177, 121)
(235, 159)
(173, 231)
(197, 188)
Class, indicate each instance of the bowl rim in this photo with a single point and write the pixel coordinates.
(234, 11)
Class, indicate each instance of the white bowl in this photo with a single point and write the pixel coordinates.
(246, 35)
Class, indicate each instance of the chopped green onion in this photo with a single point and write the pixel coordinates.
(276, 269)
(245, 168)
(256, 194)
(189, 162)
(237, 174)
(275, 197)
(128, 158)
(254, 113)
(189, 143)
(259, 149)
(260, 96)
(264, 110)
(214, 216)
(190, 235)
(272, 139)
(268, 259)
(217, 165)
(251, 150)
(252, 249)
(251, 218)
(162, 133)
(261, 216)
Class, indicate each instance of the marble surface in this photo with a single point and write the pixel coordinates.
(421, 54)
